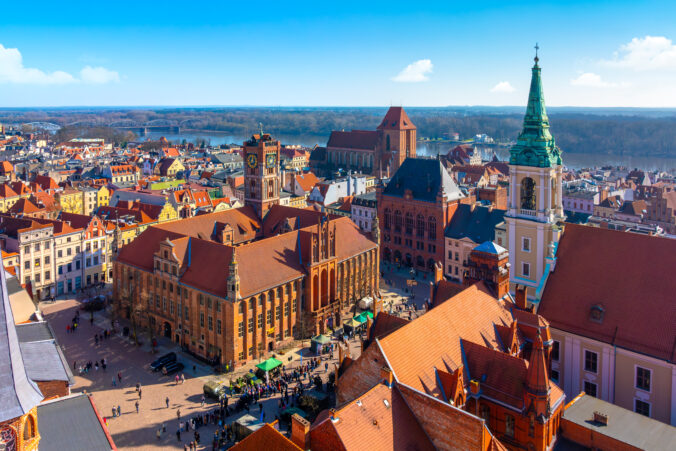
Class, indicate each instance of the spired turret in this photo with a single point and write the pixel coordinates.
(535, 145)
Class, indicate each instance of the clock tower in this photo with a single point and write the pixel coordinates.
(261, 173)
(535, 206)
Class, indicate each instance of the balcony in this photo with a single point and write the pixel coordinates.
(525, 212)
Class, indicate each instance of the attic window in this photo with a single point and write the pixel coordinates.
(387, 404)
(596, 313)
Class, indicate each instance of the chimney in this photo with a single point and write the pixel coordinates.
(300, 431)
(369, 323)
(521, 297)
(601, 418)
(341, 354)
(438, 272)
(474, 386)
(387, 376)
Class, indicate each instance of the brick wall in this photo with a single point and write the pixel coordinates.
(52, 389)
(361, 376)
(591, 439)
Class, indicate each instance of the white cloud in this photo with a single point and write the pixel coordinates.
(503, 86)
(415, 72)
(589, 79)
(98, 75)
(647, 53)
(12, 70)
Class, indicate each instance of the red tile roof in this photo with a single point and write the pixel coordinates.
(355, 139)
(267, 438)
(396, 119)
(629, 276)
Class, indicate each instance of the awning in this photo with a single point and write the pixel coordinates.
(353, 323)
(321, 339)
(269, 365)
(363, 316)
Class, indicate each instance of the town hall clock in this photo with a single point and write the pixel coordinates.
(252, 160)
(270, 160)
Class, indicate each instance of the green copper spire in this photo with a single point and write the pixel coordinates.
(535, 145)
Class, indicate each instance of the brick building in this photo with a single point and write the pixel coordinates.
(414, 209)
(378, 152)
(232, 285)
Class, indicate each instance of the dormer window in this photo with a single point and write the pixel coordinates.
(596, 313)
(166, 254)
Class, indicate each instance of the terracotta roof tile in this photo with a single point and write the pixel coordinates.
(630, 276)
(266, 438)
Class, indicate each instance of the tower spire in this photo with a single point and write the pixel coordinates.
(535, 145)
(537, 380)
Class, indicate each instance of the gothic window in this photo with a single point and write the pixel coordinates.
(485, 413)
(432, 227)
(397, 221)
(420, 226)
(509, 425)
(409, 224)
(388, 219)
(387, 142)
(528, 194)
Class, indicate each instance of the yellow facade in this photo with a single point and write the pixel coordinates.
(168, 213)
(7, 202)
(71, 202)
(103, 197)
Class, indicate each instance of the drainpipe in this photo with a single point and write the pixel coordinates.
(614, 363)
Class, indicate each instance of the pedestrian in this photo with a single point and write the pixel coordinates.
(178, 434)
(178, 414)
(182, 378)
(114, 412)
(203, 400)
(164, 427)
(74, 364)
(136, 406)
(119, 377)
(114, 382)
(158, 433)
(91, 320)
(67, 328)
(177, 379)
(260, 406)
(167, 401)
(139, 393)
(119, 411)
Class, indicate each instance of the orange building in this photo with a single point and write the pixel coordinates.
(233, 285)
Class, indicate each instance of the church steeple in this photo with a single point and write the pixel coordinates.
(537, 380)
(535, 145)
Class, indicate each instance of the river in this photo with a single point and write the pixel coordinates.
(570, 159)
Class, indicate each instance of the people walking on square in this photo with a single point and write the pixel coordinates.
(139, 393)
(136, 406)
(119, 411)
(167, 401)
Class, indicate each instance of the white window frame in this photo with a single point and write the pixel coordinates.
(636, 367)
(523, 266)
(584, 361)
(650, 407)
(525, 239)
(596, 395)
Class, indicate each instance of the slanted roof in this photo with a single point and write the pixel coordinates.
(629, 276)
(266, 438)
(72, 422)
(623, 425)
(355, 139)
(474, 222)
(43, 361)
(425, 178)
(35, 331)
(396, 119)
(18, 394)
(377, 420)
(490, 247)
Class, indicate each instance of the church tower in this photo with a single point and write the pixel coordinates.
(397, 141)
(261, 173)
(535, 205)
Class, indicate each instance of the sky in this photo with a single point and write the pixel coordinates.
(368, 53)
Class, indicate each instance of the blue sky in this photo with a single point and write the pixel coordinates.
(606, 53)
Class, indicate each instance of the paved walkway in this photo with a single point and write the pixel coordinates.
(137, 431)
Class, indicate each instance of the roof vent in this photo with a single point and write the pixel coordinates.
(596, 313)
(601, 418)
(386, 402)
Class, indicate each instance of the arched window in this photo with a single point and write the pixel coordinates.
(420, 226)
(485, 413)
(388, 219)
(528, 194)
(28, 428)
(409, 223)
(252, 302)
(397, 221)
(431, 227)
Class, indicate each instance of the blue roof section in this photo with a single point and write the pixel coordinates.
(490, 247)
(477, 224)
(18, 394)
(425, 178)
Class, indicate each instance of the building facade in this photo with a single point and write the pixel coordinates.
(414, 210)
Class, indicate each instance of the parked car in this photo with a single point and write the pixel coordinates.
(162, 361)
(171, 368)
(215, 388)
(93, 304)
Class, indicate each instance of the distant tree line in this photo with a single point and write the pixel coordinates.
(618, 134)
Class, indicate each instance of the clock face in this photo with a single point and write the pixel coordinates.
(252, 160)
(270, 160)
